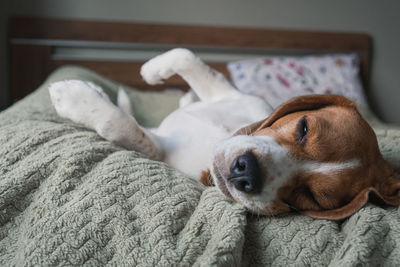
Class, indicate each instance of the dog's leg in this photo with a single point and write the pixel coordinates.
(87, 104)
(188, 98)
(208, 84)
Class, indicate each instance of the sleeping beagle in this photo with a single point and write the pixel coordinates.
(314, 154)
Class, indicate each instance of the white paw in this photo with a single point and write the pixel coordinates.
(156, 70)
(161, 67)
(79, 101)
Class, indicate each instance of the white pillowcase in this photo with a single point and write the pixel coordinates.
(278, 79)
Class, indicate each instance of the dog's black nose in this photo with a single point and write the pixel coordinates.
(246, 174)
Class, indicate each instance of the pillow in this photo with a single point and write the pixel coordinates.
(151, 107)
(278, 79)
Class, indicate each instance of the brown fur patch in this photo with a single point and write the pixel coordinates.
(206, 179)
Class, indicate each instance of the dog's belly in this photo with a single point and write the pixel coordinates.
(189, 147)
(188, 135)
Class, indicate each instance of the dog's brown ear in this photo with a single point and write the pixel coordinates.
(343, 212)
(250, 129)
(310, 102)
(386, 192)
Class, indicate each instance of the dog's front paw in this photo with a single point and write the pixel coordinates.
(156, 70)
(160, 68)
(78, 100)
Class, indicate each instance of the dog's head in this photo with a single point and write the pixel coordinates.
(314, 154)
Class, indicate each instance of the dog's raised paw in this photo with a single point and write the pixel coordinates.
(155, 71)
(76, 100)
(160, 68)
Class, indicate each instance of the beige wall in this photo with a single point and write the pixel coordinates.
(378, 18)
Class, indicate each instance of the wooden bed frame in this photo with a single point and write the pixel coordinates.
(34, 42)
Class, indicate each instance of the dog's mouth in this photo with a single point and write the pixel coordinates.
(219, 181)
(244, 170)
(247, 200)
(254, 203)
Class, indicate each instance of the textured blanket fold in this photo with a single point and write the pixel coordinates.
(68, 197)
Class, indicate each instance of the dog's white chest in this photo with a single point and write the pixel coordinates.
(188, 135)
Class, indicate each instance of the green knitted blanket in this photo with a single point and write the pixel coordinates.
(68, 197)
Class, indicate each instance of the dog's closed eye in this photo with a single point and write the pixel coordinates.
(302, 131)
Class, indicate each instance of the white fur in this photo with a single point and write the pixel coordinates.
(329, 167)
(196, 134)
(123, 101)
(208, 84)
(87, 104)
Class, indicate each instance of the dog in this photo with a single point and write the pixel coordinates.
(314, 154)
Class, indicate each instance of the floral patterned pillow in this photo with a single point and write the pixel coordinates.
(277, 79)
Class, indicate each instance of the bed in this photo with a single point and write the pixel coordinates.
(68, 197)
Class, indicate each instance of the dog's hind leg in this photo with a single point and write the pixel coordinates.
(209, 84)
(87, 104)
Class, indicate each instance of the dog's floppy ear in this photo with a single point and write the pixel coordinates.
(249, 129)
(310, 102)
(384, 192)
(343, 212)
(388, 190)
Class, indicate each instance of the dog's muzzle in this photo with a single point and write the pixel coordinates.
(245, 173)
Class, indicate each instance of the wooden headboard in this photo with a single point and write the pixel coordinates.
(38, 46)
